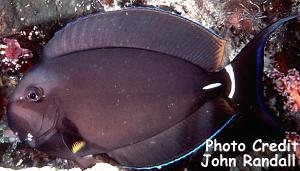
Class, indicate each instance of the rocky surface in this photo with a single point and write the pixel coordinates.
(16, 14)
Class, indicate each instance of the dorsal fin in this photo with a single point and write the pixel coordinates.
(141, 28)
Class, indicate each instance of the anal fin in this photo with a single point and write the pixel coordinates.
(179, 141)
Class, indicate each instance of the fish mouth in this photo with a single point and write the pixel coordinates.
(10, 134)
(31, 127)
(16, 122)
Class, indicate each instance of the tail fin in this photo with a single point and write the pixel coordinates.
(246, 74)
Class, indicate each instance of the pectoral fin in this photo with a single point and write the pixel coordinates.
(72, 138)
(75, 143)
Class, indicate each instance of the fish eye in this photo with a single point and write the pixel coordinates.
(34, 94)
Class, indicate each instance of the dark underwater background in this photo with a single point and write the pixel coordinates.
(26, 25)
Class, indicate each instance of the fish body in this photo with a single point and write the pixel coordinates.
(140, 85)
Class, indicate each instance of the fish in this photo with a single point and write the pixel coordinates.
(144, 86)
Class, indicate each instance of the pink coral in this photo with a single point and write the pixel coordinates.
(289, 87)
(13, 57)
(13, 49)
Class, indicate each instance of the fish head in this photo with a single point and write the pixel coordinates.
(32, 111)
(35, 113)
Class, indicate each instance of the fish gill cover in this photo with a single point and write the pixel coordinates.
(25, 26)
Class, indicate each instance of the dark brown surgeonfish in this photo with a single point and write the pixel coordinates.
(139, 85)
